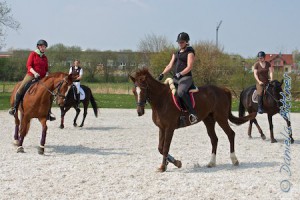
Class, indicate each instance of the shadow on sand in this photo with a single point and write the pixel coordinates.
(79, 149)
(228, 167)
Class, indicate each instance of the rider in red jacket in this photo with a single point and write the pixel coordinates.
(37, 67)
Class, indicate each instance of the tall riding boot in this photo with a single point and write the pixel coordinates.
(260, 109)
(51, 117)
(14, 109)
(78, 100)
(188, 103)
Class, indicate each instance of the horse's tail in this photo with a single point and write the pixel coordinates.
(234, 119)
(241, 106)
(94, 104)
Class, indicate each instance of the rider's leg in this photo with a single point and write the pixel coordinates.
(77, 84)
(260, 89)
(19, 94)
(183, 86)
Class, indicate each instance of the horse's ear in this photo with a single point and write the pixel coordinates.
(132, 79)
(281, 82)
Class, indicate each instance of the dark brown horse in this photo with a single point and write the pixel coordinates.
(271, 104)
(213, 104)
(36, 104)
(71, 102)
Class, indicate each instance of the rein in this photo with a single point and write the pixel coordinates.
(276, 100)
(57, 88)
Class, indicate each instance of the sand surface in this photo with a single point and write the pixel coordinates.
(115, 156)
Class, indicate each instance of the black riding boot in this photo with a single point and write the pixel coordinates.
(188, 103)
(51, 117)
(260, 109)
(78, 99)
(14, 109)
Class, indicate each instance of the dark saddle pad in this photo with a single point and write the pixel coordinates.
(28, 85)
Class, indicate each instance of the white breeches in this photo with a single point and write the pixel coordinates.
(77, 84)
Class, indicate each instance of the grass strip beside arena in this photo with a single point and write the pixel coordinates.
(122, 101)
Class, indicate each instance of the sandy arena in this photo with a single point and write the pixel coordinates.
(115, 156)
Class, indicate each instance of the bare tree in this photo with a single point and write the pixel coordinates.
(6, 20)
(152, 43)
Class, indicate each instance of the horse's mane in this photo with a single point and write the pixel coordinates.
(142, 72)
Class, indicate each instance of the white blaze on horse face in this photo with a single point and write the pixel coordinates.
(138, 92)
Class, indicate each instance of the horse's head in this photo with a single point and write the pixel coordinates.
(140, 91)
(63, 86)
(275, 88)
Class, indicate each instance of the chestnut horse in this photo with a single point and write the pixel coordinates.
(36, 104)
(213, 104)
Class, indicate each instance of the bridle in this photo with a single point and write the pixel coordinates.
(276, 100)
(56, 92)
(143, 102)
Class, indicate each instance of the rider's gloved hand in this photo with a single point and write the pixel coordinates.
(36, 75)
(160, 77)
(178, 75)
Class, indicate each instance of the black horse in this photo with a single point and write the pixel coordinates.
(271, 105)
(71, 102)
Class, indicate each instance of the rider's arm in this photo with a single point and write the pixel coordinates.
(170, 65)
(271, 73)
(256, 76)
(80, 74)
(190, 62)
(70, 71)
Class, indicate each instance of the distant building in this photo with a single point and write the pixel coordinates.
(281, 62)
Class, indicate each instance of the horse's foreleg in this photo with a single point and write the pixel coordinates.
(62, 117)
(170, 158)
(84, 116)
(288, 122)
(41, 148)
(168, 134)
(75, 119)
(17, 127)
(262, 135)
(273, 140)
(23, 131)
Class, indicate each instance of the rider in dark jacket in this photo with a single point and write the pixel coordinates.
(182, 65)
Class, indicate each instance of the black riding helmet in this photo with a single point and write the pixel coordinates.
(261, 54)
(183, 36)
(42, 42)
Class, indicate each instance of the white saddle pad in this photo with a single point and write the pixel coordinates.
(255, 97)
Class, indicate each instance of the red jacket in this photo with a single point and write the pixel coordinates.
(39, 64)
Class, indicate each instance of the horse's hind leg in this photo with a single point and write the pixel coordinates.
(41, 148)
(262, 135)
(84, 116)
(75, 119)
(210, 126)
(250, 128)
(231, 135)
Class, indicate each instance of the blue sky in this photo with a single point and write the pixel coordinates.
(248, 26)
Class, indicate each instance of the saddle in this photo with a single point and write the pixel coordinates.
(28, 86)
(177, 101)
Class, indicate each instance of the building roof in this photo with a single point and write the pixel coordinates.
(288, 58)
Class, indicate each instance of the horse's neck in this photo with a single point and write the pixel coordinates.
(157, 93)
(48, 84)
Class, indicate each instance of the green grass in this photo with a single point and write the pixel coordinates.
(123, 101)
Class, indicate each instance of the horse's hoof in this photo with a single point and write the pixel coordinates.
(41, 150)
(75, 125)
(20, 149)
(236, 163)
(61, 126)
(16, 142)
(273, 141)
(250, 136)
(81, 125)
(178, 163)
(263, 137)
(162, 168)
(210, 165)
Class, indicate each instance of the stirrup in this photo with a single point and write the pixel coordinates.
(12, 111)
(193, 118)
(51, 117)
